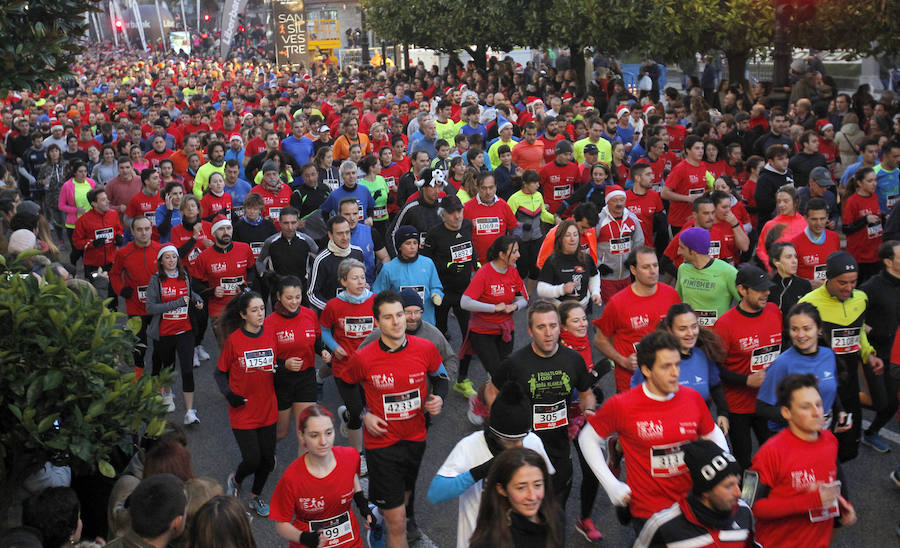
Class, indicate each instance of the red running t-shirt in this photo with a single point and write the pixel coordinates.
(489, 222)
(350, 324)
(493, 287)
(174, 321)
(228, 270)
(863, 244)
(320, 504)
(652, 433)
(811, 257)
(687, 180)
(250, 364)
(296, 336)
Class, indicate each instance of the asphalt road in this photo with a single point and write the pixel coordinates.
(216, 454)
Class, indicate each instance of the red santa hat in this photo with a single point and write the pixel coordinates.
(622, 111)
(648, 108)
(612, 191)
(822, 125)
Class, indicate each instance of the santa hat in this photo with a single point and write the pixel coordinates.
(648, 108)
(531, 100)
(567, 96)
(220, 222)
(822, 125)
(622, 111)
(612, 191)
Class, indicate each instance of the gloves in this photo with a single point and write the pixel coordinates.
(362, 504)
(481, 471)
(127, 292)
(604, 270)
(456, 268)
(235, 400)
(437, 299)
(99, 242)
(119, 240)
(309, 539)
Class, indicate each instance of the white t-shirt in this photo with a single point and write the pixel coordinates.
(468, 453)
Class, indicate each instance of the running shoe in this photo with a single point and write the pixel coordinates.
(895, 476)
(168, 400)
(465, 388)
(363, 467)
(196, 358)
(586, 528)
(202, 353)
(876, 442)
(345, 419)
(477, 411)
(191, 417)
(231, 486)
(259, 506)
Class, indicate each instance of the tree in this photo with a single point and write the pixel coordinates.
(40, 41)
(449, 27)
(63, 400)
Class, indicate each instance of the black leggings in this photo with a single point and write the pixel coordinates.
(527, 263)
(441, 314)
(257, 447)
(74, 254)
(140, 350)
(491, 350)
(346, 392)
(739, 427)
(590, 485)
(181, 344)
(199, 322)
(883, 389)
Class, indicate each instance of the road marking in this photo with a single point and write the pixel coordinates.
(884, 432)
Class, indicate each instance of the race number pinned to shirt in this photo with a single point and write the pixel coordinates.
(715, 248)
(420, 289)
(391, 183)
(667, 460)
(845, 340)
(874, 231)
(231, 286)
(485, 226)
(275, 213)
(238, 211)
(561, 192)
(259, 360)
(142, 293)
(620, 246)
(333, 184)
(707, 318)
(550, 416)
(399, 407)
(696, 191)
(762, 357)
(461, 253)
(151, 216)
(892, 201)
(256, 248)
(819, 272)
(180, 313)
(362, 211)
(107, 234)
(358, 327)
(336, 530)
(379, 212)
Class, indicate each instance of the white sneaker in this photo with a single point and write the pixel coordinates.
(342, 414)
(191, 417)
(196, 358)
(202, 353)
(169, 400)
(363, 467)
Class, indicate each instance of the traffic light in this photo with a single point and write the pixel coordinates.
(206, 17)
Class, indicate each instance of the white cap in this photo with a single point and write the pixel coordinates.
(220, 224)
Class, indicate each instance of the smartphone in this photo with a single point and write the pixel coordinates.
(847, 421)
(750, 486)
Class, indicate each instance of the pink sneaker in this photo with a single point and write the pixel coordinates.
(586, 528)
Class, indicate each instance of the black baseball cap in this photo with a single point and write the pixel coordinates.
(753, 277)
(451, 203)
(591, 148)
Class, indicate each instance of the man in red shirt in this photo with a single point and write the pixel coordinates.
(632, 313)
(751, 333)
(529, 153)
(652, 421)
(490, 215)
(158, 152)
(727, 233)
(645, 203)
(551, 136)
(135, 262)
(722, 234)
(677, 133)
(395, 373)
(145, 202)
(686, 183)
(223, 270)
(275, 194)
(558, 178)
(797, 493)
(98, 232)
(815, 243)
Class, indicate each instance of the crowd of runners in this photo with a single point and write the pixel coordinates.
(735, 264)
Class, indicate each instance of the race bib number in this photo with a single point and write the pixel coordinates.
(823, 514)
(333, 184)
(707, 318)
(762, 357)
(667, 461)
(256, 248)
(380, 212)
(422, 236)
(620, 246)
(696, 191)
(107, 234)
(391, 183)
(874, 231)
(403, 406)
(550, 416)
(420, 289)
(275, 213)
(561, 192)
(192, 256)
(142, 293)
(845, 340)
(151, 216)
(336, 530)
(238, 211)
(892, 200)
(231, 286)
(358, 327)
(180, 313)
(262, 360)
(485, 226)
(715, 248)
(657, 187)
(819, 272)
(461, 253)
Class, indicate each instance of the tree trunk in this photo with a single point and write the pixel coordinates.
(479, 56)
(576, 54)
(737, 69)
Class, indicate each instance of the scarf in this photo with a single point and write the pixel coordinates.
(347, 297)
(339, 251)
(582, 345)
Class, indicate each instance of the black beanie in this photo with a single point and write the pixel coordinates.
(839, 262)
(708, 464)
(510, 413)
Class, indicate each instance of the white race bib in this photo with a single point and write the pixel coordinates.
(391, 183)
(874, 231)
(845, 340)
(561, 192)
(667, 461)
(402, 406)
(107, 234)
(819, 272)
(420, 289)
(333, 184)
(151, 216)
(461, 253)
(231, 285)
(485, 226)
(337, 530)
(275, 213)
(262, 360)
(707, 318)
(380, 212)
(180, 313)
(892, 200)
(550, 416)
(142, 293)
(696, 191)
(256, 248)
(715, 248)
(620, 246)
(358, 327)
(762, 357)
